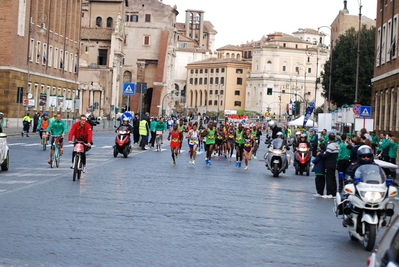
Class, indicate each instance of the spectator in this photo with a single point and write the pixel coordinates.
(330, 162)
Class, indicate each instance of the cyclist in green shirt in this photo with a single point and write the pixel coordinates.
(57, 127)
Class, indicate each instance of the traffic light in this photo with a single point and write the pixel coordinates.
(269, 91)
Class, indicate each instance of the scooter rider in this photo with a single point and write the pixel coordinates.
(296, 140)
(125, 123)
(275, 129)
(303, 139)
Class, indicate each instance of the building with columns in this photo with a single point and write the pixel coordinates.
(39, 57)
(287, 67)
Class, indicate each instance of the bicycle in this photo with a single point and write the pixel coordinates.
(56, 152)
(79, 149)
(44, 140)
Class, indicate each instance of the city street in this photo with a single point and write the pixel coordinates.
(142, 211)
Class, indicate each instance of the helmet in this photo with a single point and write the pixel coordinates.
(271, 124)
(363, 152)
(279, 134)
(298, 133)
(1, 115)
(303, 135)
(45, 114)
(88, 115)
(126, 119)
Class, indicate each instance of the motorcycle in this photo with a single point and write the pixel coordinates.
(302, 159)
(122, 142)
(277, 159)
(365, 205)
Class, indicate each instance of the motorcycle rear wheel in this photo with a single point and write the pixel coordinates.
(275, 169)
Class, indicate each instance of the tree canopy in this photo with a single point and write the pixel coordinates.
(343, 74)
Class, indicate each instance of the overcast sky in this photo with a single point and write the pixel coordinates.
(240, 21)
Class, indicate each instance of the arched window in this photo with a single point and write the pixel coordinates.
(238, 56)
(284, 66)
(99, 21)
(127, 77)
(228, 55)
(109, 22)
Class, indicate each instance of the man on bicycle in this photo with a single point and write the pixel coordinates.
(43, 124)
(57, 127)
(81, 132)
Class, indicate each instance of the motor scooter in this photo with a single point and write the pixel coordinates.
(277, 159)
(122, 142)
(365, 205)
(302, 159)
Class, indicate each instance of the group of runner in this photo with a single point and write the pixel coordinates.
(218, 141)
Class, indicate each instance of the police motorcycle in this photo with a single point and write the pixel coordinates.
(277, 159)
(365, 204)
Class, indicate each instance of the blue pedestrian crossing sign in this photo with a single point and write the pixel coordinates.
(128, 88)
(365, 112)
(127, 115)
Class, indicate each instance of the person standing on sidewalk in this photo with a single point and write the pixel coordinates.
(144, 128)
(1, 121)
(36, 118)
(136, 123)
(26, 122)
(330, 163)
(343, 159)
(319, 170)
(153, 124)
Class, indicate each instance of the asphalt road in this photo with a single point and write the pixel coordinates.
(142, 211)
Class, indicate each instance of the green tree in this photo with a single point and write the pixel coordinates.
(344, 68)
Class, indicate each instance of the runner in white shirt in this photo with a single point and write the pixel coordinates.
(192, 137)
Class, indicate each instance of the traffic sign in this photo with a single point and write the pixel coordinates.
(128, 88)
(128, 116)
(356, 109)
(365, 112)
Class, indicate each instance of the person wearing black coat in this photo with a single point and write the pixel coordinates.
(319, 169)
(136, 122)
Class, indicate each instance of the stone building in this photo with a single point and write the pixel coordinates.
(127, 41)
(39, 46)
(344, 21)
(195, 42)
(284, 70)
(385, 90)
(216, 85)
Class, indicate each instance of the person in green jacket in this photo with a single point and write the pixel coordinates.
(57, 127)
(153, 123)
(383, 149)
(374, 142)
(343, 159)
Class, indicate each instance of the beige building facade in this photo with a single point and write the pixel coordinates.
(215, 85)
(287, 67)
(39, 54)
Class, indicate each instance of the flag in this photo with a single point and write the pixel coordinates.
(309, 111)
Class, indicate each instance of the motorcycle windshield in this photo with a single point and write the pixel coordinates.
(277, 143)
(123, 128)
(370, 174)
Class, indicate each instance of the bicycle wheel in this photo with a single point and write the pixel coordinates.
(159, 143)
(56, 156)
(75, 167)
(80, 167)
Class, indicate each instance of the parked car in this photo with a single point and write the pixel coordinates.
(386, 253)
(4, 152)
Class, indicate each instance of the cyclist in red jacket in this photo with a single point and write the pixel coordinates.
(81, 131)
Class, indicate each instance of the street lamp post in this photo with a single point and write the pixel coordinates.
(310, 53)
(330, 74)
(358, 51)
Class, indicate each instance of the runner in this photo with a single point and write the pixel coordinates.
(248, 147)
(231, 133)
(209, 142)
(220, 137)
(174, 142)
(239, 145)
(201, 129)
(256, 133)
(192, 138)
(181, 129)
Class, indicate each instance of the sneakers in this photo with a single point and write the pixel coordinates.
(239, 164)
(255, 157)
(84, 169)
(208, 162)
(71, 166)
(193, 162)
(173, 163)
(22, 134)
(246, 167)
(318, 195)
(236, 164)
(328, 196)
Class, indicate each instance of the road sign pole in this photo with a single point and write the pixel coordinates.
(141, 100)
(128, 103)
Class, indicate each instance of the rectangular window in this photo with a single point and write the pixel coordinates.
(239, 81)
(216, 80)
(61, 58)
(206, 70)
(196, 81)
(50, 55)
(55, 58)
(44, 58)
(102, 57)
(200, 81)
(389, 45)
(237, 92)
(38, 52)
(76, 64)
(394, 36)
(216, 92)
(70, 62)
(391, 107)
(309, 70)
(134, 18)
(205, 80)
(147, 18)
(211, 70)
(210, 92)
(237, 103)
(383, 45)
(146, 40)
(217, 70)
(222, 70)
(66, 61)
(221, 80)
(32, 50)
(239, 71)
(221, 92)
(211, 80)
(284, 68)
(191, 80)
(201, 71)
(126, 18)
(378, 55)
